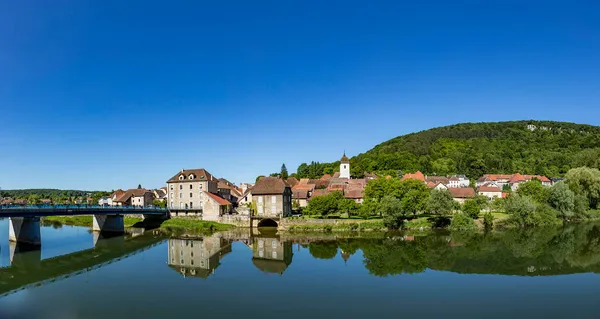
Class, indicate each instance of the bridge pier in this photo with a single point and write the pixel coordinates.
(109, 223)
(25, 230)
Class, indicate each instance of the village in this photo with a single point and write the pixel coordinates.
(197, 193)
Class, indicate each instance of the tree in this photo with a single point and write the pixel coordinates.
(324, 205)
(139, 186)
(414, 195)
(522, 209)
(349, 206)
(392, 210)
(535, 190)
(506, 188)
(471, 208)
(462, 222)
(562, 199)
(378, 188)
(259, 177)
(440, 202)
(159, 203)
(284, 172)
(585, 181)
(323, 250)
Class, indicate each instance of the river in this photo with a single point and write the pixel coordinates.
(551, 273)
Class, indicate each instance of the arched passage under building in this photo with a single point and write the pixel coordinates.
(267, 223)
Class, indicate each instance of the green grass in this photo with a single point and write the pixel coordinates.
(85, 221)
(193, 225)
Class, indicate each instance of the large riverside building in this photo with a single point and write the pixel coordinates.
(186, 189)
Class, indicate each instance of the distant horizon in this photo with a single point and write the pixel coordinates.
(101, 95)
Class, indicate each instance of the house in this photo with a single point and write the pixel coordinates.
(320, 192)
(245, 198)
(300, 196)
(160, 194)
(214, 206)
(458, 181)
(271, 254)
(355, 194)
(46, 201)
(491, 192)
(135, 197)
(437, 180)
(440, 187)
(461, 194)
(514, 180)
(370, 176)
(292, 181)
(224, 189)
(186, 189)
(556, 180)
(418, 176)
(199, 257)
(272, 197)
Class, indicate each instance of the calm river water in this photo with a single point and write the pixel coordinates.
(549, 273)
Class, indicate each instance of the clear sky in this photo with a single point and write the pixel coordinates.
(111, 94)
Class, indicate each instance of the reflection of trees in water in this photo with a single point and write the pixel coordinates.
(540, 251)
(323, 249)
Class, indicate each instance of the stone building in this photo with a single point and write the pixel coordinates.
(272, 197)
(185, 189)
(214, 206)
(197, 258)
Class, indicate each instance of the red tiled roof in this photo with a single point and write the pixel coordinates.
(437, 179)
(542, 179)
(353, 193)
(200, 174)
(320, 192)
(131, 193)
(221, 201)
(292, 181)
(325, 177)
(269, 186)
(517, 178)
(418, 176)
(308, 187)
(431, 184)
(466, 192)
(300, 194)
(489, 189)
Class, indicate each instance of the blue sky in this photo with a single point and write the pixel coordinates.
(110, 94)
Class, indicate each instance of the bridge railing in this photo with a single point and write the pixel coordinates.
(83, 206)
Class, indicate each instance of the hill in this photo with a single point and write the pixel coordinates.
(529, 147)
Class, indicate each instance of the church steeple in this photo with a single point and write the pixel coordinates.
(345, 167)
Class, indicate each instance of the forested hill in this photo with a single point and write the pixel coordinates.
(529, 147)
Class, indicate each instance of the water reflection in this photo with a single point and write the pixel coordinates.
(270, 254)
(197, 257)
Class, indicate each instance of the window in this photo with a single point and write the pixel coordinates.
(171, 195)
(191, 194)
(192, 176)
(273, 244)
(180, 186)
(274, 255)
(261, 244)
(273, 199)
(171, 187)
(200, 186)
(260, 199)
(273, 209)
(191, 205)
(344, 166)
(191, 186)
(180, 195)
(181, 177)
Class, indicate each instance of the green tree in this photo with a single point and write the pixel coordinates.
(378, 188)
(471, 208)
(440, 202)
(284, 172)
(259, 177)
(562, 199)
(414, 195)
(392, 211)
(324, 205)
(159, 203)
(349, 206)
(585, 181)
(522, 209)
(323, 250)
(462, 222)
(506, 188)
(139, 186)
(535, 190)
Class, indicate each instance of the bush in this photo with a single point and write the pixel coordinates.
(392, 210)
(327, 228)
(353, 226)
(488, 221)
(462, 222)
(471, 208)
(545, 215)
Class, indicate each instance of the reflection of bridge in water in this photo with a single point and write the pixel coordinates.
(27, 268)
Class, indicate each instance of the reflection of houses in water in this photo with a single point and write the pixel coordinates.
(271, 254)
(197, 257)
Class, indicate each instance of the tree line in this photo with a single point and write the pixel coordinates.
(474, 149)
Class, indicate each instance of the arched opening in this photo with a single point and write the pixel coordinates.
(267, 223)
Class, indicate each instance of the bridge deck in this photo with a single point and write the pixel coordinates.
(64, 210)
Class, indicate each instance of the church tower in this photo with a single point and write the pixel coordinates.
(345, 167)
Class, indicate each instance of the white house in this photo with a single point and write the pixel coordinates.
(490, 192)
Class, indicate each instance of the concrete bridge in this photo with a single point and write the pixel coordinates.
(24, 221)
(27, 268)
